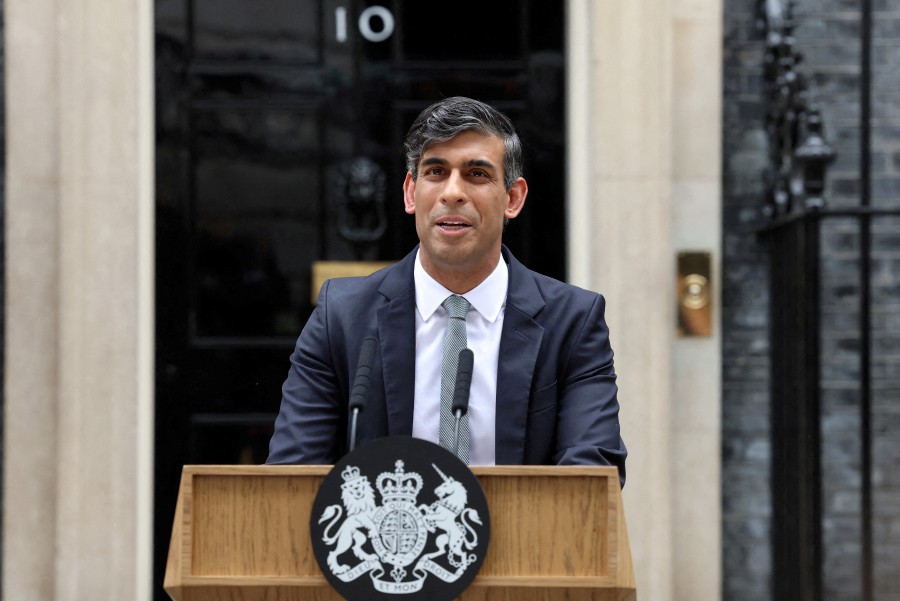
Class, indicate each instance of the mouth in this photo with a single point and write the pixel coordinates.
(452, 225)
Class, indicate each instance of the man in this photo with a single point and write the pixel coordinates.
(543, 386)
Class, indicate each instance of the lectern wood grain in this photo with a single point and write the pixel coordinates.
(242, 534)
(527, 526)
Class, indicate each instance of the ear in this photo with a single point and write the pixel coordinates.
(409, 194)
(516, 195)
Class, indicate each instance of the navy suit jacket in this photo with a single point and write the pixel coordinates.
(556, 390)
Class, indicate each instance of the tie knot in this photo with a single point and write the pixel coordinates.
(456, 306)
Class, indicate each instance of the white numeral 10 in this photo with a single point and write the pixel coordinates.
(364, 23)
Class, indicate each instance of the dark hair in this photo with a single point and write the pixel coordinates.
(450, 117)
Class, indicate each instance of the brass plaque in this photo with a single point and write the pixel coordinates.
(694, 294)
(325, 270)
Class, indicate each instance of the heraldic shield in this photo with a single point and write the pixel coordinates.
(400, 518)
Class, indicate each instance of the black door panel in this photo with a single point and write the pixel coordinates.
(279, 143)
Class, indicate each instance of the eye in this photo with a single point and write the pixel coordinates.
(434, 171)
(479, 173)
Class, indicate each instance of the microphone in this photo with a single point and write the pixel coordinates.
(360, 390)
(460, 404)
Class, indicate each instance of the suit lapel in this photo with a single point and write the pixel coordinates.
(397, 336)
(519, 345)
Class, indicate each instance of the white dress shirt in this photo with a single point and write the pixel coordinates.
(484, 324)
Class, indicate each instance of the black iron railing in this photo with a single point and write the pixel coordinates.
(795, 213)
(798, 152)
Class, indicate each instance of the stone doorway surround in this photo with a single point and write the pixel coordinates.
(78, 457)
(644, 181)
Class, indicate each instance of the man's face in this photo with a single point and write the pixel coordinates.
(460, 202)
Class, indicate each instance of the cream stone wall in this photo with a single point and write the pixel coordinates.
(79, 300)
(697, 379)
(645, 183)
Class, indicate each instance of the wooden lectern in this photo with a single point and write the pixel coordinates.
(242, 534)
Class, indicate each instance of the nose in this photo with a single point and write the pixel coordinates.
(454, 189)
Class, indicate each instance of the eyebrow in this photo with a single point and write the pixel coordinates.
(470, 163)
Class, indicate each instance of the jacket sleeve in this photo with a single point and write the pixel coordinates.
(308, 423)
(587, 431)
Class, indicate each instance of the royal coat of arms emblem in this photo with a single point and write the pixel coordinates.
(404, 546)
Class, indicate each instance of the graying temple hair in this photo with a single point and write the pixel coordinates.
(450, 117)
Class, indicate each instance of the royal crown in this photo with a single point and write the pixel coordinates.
(399, 485)
(350, 474)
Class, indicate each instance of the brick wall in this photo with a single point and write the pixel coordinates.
(745, 374)
(886, 300)
(828, 34)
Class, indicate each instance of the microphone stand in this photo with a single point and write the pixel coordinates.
(361, 384)
(460, 404)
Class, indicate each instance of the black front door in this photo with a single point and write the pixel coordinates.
(279, 144)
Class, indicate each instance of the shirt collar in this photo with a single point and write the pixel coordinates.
(488, 297)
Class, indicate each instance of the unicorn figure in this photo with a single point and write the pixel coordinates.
(442, 516)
